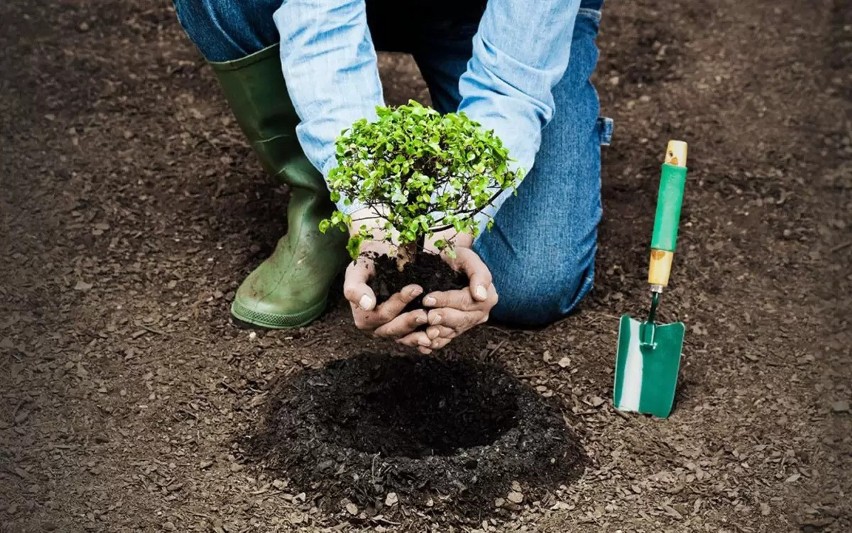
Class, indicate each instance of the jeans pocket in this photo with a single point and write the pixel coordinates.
(594, 14)
(588, 21)
(605, 127)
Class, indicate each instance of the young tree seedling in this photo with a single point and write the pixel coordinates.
(421, 172)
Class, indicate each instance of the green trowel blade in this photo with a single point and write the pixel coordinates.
(646, 366)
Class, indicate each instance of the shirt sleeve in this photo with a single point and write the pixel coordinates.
(330, 67)
(520, 52)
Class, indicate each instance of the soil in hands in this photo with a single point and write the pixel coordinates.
(427, 270)
(442, 435)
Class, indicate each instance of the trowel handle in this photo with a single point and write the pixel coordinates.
(669, 201)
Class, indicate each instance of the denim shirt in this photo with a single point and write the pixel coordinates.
(520, 51)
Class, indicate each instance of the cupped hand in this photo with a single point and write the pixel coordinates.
(386, 319)
(453, 312)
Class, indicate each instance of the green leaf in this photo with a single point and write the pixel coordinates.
(354, 246)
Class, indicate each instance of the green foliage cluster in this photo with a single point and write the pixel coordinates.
(423, 172)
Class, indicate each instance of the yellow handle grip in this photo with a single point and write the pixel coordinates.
(660, 265)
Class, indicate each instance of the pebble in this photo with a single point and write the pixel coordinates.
(840, 407)
(352, 509)
(391, 499)
(515, 497)
(564, 362)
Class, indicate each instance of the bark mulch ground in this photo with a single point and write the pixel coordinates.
(131, 208)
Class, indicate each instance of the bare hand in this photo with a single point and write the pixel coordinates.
(454, 312)
(384, 320)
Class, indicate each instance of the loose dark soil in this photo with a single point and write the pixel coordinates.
(131, 208)
(427, 270)
(444, 436)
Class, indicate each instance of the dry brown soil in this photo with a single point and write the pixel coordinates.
(130, 209)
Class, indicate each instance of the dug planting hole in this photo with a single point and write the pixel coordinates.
(437, 434)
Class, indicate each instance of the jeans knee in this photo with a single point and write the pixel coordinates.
(540, 296)
(228, 30)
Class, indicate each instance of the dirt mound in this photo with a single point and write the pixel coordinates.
(440, 434)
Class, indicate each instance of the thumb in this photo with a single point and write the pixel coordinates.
(355, 287)
(478, 274)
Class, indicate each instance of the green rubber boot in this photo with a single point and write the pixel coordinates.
(290, 288)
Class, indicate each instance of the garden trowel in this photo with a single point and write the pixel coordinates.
(648, 357)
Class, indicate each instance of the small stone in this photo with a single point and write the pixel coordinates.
(83, 27)
(597, 401)
(840, 407)
(516, 486)
(168, 526)
(252, 336)
(236, 467)
(515, 497)
(671, 511)
(279, 484)
(82, 286)
(391, 499)
(205, 464)
(564, 362)
(352, 509)
(499, 502)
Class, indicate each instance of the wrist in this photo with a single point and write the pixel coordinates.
(463, 240)
(369, 217)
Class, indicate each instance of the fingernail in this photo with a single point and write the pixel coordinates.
(480, 292)
(365, 303)
(436, 319)
(424, 342)
(420, 319)
(429, 301)
(416, 292)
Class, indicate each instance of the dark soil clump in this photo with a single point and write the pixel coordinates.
(441, 434)
(428, 270)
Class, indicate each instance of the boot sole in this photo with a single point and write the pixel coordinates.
(253, 318)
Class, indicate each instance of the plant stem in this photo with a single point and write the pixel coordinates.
(405, 254)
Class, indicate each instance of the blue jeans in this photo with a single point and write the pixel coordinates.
(541, 249)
